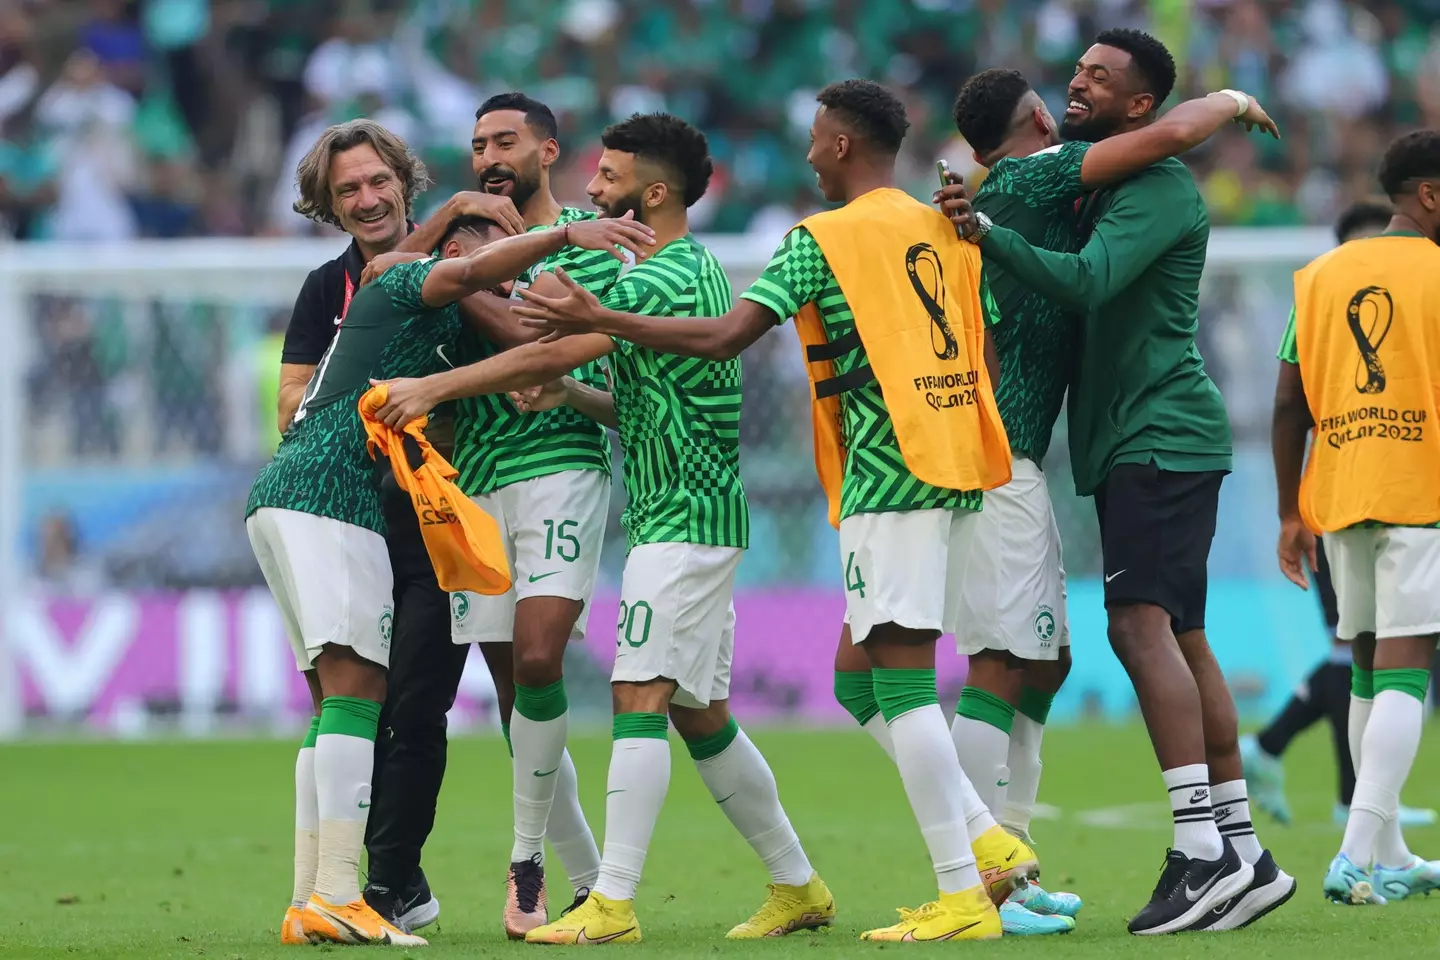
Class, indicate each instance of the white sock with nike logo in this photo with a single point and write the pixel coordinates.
(634, 793)
(981, 731)
(568, 831)
(1196, 834)
(1231, 804)
(344, 762)
(537, 736)
(307, 819)
(740, 780)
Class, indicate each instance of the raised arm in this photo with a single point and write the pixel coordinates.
(1183, 128)
(1289, 426)
(1148, 216)
(426, 237)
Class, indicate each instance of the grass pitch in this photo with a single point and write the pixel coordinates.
(182, 850)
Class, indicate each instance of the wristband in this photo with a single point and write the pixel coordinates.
(1242, 101)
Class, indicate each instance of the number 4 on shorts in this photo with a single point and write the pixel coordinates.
(854, 582)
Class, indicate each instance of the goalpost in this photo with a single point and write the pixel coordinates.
(112, 352)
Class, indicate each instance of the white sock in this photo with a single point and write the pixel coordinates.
(934, 783)
(1355, 727)
(343, 765)
(983, 750)
(1391, 740)
(635, 792)
(741, 782)
(1196, 835)
(1231, 806)
(307, 820)
(1024, 763)
(569, 833)
(538, 746)
(1390, 847)
(877, 728)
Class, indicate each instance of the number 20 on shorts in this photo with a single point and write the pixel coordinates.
(633, 627)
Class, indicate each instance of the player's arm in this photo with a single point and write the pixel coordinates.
(1289, 426)
(598, 405)
(494, 317)
(1148, 216)
(495, 263)
(307, 337)
(1183, 128)
(425, 238)
(524, 366)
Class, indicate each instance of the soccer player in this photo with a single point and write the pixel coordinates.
(1361, 367)
(545, 478)
(687, 523)
(316, 523)
(1150, 439)
(903, 540)
(1013, 624)
(1325, 693)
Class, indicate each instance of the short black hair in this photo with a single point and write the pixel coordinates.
(468, 223)
(1151, 60)
(1411, 156)
(870, 110)
(665, 139)
(1358, 216)
(537, 116)
(986, 105)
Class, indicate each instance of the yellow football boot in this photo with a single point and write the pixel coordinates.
(1003, 861)
(788, 909)
(967, 915)
(354, 922)
(597, 920)
(292, 930)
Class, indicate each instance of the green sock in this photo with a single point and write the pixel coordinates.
(647, 726)
(312, 733)
(348, 716)
(715, 744)
(985, 707)
(344, 762)
(900, 691)
(541, 703)
(1362, 683)
(505, 732)
(856, 693)
(1413, 681)
(1035, 704)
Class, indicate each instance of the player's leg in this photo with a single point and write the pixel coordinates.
(1148, 519)
(558, 526)
(897, 587)
(307, 823)
(1041, 682)
(740, 781)
(1407, 619)
(855, 690)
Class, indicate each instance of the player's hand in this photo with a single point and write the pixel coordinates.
(474, 203)
(578, 311)
(608, 233)
(954, 201)
(546, 397)
(407, 399)
(1297, 544)
(385, 261)
(1255, 116)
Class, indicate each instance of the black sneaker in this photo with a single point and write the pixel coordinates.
(524, 898)
(1189, 889)
(409, 907)
(1270, 888)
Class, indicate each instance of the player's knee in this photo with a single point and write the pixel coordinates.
(537, 666)
(693, 724)
(646, 696)
(1137, 630)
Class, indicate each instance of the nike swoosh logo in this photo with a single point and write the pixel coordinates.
(546, 773)
(944, 936)
(582, 938)
(1194, 895)
(1002, 783)
(440, 352)
(1115, 574)
(727, 798)
(609, 792)
(1199, 795)
(337, 321)
(542, 576)
(364, 804)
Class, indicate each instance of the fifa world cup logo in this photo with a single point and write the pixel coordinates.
(930, 288)
(1369, 374)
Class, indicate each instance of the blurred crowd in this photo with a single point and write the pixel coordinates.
(169, 118)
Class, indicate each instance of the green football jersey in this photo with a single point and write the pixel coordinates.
(497, 445)
(322, 466)
(1037, 340)
(875, 478)
(679, 416)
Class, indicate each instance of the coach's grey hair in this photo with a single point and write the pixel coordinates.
(313, 174)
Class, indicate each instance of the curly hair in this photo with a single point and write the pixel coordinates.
(665, 139)
(870, 110)
(1150, 58)
(1411, 156)
(313, 174)
(985, 106)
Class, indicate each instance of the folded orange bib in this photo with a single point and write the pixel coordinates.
(463, 541)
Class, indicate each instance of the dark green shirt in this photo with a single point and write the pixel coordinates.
(1141, 393)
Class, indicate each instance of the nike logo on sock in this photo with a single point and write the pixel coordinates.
(727, 798)
(1198, 796)
(1002, 783)
(546, 773)
(364, 804)
(609, 792)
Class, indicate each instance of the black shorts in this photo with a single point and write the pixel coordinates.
(1155, 532)
(1324, 588)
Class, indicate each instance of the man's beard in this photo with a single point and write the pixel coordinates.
(1092, 129)
(623, 206)
(526, 184)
